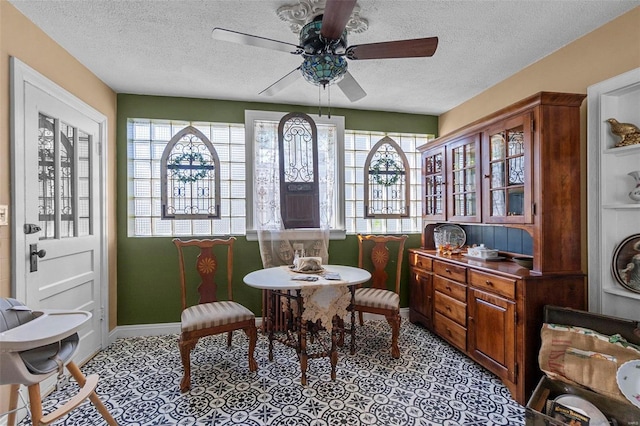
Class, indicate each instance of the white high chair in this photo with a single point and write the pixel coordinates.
(35, 345)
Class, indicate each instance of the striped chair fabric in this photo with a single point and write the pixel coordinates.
(214, 314)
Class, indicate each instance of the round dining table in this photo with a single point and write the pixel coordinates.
(311, 300)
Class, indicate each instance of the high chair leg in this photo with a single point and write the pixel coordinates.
(35, 402)
(13, 404)
(81, 379)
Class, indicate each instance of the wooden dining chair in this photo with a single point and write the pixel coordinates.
(209, 315)
(382, 296)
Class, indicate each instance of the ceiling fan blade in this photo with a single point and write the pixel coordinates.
(351, 88)
(335, 17)
(252, 40)
(414, 48)
(282, 83)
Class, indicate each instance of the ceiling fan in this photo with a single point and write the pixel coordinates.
(323, 47)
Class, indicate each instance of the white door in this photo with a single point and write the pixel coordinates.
(57, 207)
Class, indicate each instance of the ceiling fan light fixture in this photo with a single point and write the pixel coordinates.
(323, 69)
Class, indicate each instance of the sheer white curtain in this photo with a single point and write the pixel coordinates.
(277, 244)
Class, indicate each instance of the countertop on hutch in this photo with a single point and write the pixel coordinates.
(499, 267)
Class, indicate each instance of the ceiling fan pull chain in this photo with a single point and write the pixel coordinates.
(319, 103)
(329, 100)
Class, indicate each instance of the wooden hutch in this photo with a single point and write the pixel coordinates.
(518, 167)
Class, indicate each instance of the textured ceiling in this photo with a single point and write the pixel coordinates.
(164, 47)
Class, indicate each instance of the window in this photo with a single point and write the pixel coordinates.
(263, 187)
(147, 141)
(249, 196)
(190, 179)
(386, 181)
(357, 147)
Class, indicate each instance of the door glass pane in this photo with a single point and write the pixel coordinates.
(516, 142)
(470, 180)
(497, 175)
(46, 176)
(430, 186)
(516, 171)
(471, 155)
(67, 181)
(497, 146)
(516, 201)
(84, 184)
(498, 206)
(471, 204)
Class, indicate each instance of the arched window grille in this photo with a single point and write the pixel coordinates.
(386, 181)
(190, 180)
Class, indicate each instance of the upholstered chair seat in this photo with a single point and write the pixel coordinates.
(377, 298)
(215, 314)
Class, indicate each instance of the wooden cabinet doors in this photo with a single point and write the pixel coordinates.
(421, 297)
(463, 174)
(492, 333)
(507, 168)
(433, 175)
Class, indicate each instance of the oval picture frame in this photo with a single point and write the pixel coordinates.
(625, 264)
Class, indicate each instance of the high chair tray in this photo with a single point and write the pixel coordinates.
(49, 326)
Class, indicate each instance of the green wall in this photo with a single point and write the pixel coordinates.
(148, 286)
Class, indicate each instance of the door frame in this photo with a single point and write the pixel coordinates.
(20, 75)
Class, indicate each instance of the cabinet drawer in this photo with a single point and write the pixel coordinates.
(451, 308)
(454, 333)
(450, 288)
(448, 270)
(494, 284)
(421, 262)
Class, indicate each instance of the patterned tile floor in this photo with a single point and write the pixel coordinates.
(431, 384)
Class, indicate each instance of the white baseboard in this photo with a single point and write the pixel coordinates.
(174, 327)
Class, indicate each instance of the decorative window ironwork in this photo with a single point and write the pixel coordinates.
(64, 174)
(190, 177)
(386, 181)
(298, 155)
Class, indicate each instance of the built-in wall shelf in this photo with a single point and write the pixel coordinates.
(612, 215)
(622, 292)
(622, 207)
(622, 150)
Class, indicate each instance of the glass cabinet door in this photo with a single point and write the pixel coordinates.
(507, 187)
(464, 179)
(434, 185)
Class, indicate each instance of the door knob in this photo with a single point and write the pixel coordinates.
(40, 253)
(34, 254)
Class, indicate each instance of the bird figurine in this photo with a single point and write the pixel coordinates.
(629, 133)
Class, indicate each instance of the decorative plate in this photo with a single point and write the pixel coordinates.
(625, 265)
(456, 235)
(628, 378)
(317, 271)
(581, 405)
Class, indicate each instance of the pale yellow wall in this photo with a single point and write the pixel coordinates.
(608, 51)
(20, 38)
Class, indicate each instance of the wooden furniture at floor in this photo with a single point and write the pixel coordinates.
(382, 297)
(35, 345)
(210, 316)
(490, 310)
(518, 167)
(322, 302)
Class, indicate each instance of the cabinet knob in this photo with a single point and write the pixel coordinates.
(447, 270)
(448, 288)
(487, 176)
(489, 283)
(448, 308)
